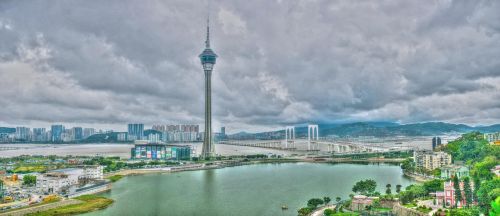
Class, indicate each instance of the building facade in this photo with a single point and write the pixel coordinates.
(23, 134)
(61, 180)
(160, 152)
(87, 132)
(121, 137)
(449, 171)
(77, 133)
(492, 137)
(436, 142)
(447, 197)
(430, 160)
(56, 133)
(39, 135)
(135, 131)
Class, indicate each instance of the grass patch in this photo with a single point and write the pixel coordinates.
(46, 200)
(115, 178)
(409, 205)
(28, 169)
(90, 203)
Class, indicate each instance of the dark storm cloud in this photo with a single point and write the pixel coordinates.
(281, 62)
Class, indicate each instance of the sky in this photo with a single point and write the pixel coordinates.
(108, 63)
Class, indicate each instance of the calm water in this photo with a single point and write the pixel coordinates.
(246, 190)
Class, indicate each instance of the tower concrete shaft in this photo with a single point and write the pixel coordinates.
(208, 150)
(208, 59)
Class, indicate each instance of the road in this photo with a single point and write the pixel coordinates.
(319, 212)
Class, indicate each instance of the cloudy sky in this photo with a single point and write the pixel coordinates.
(108, 63)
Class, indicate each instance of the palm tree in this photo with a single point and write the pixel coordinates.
(326, 200)
(398, 188)
(388, 190)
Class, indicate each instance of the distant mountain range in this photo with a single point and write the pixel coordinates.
(376, 129)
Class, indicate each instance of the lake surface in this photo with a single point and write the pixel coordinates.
(245, 190)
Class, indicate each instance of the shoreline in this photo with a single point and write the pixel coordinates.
(221, 164)
(417, 178)
(196, 167)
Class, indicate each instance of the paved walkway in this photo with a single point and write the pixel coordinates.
(319, 212)
(429, 203)
(44, 207)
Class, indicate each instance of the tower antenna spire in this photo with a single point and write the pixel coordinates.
(207, 42)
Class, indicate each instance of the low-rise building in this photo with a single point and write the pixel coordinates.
(431, 160)
(84, 172)
(492, 137)
(449, 171)
(60, 181)
(359, 202)
(54, 182)
(160, 151)
(448, 195)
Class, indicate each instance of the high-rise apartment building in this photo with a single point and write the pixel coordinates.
(177, 128)
(56, 133)
(77, 133)
(39, 135)
(431, 160)
(436, 142)
(23, 133)
(87, 132)
(135, 131)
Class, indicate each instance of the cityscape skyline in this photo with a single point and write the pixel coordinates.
(425, 66)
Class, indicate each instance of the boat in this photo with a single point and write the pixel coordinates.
(284, 207)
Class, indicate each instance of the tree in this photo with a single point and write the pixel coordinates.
(338, 199)
(398, 188)
(433, 185)
(458, 193)
(304, 211)
(328, 212)
(388, 189)
(436, 172)
(314, 203)
(406, 197)
(495, 207)
(365, 186)
(464, 212)
(326, 200)
(482, 169)
(467, 191)
(417, 190)
(29, 180)
(488, 192)
(376, 203)
(1, 189)
(470, 146)
(408, 165)
(477, 186)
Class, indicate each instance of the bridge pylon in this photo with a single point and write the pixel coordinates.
(312, 136)
(290, 136)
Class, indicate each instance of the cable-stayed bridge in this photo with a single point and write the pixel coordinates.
(314, 143)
